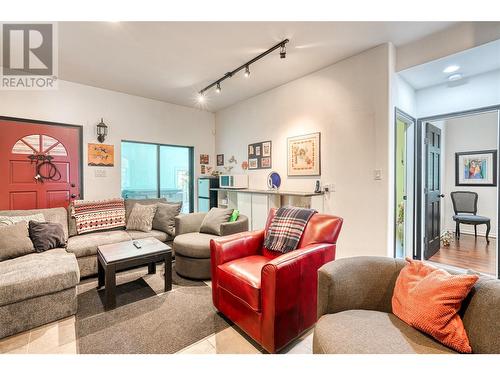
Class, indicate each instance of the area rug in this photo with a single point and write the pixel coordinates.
(145, 319)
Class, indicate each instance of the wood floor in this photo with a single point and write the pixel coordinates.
(469, 253)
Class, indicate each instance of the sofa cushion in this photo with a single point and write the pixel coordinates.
(242, 278)
(371, 332)
(214, 218)
(130, 203)
(164, 219)
(15, 241)
(46, 236)
(9, 220)
(193, 245)
(36, 275)
(428, 299)
(52, 215)
(141, 218)
(159, 235)
(86, 244)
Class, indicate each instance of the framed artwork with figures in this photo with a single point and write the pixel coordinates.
(476, 168)
(304, 155)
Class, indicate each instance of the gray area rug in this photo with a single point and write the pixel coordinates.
(144, 321)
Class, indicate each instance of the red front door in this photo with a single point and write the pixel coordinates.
(23, 148)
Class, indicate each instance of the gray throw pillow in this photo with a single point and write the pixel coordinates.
(141, 217)
(164, 217)
(214, 218)
(15, 241)
(46, 236)
(130, 203)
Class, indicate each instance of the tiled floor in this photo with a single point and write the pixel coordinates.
(60, 338)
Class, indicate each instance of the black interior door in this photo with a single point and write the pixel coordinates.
(432, 191)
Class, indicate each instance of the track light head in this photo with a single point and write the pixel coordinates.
(283, 51)
(218, 89)
(201, 97)
(247, 71)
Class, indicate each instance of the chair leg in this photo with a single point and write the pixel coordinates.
(487, 232)
(457, 230)
(475, 231)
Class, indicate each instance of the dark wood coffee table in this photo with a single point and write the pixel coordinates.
(124, 255)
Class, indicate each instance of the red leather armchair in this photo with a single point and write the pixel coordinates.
(272, 296)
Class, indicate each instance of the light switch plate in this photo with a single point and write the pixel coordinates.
(377, 174)
(100, 173)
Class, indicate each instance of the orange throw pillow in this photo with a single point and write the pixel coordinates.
(428, 299)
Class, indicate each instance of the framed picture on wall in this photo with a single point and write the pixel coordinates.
(204, 159)
(304, 155)
(476, 168)
(220, 160)
(260, 155)
(100, 155)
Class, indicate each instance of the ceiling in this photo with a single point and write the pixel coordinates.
(474, 61)
(171, 61)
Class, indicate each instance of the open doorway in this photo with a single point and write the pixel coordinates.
(458, 189)
(404, 184)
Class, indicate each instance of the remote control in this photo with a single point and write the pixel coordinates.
(137, 244)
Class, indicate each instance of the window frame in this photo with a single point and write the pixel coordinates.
(158, 167)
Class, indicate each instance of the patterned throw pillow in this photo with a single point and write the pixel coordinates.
(141, 217)
(91, 216)
(9, 220)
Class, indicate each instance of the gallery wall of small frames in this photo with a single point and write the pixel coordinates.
(260, 155)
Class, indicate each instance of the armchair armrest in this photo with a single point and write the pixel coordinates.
(225, 249)
(359, 283)
(238, 226)
(289, 293)
(188, 223)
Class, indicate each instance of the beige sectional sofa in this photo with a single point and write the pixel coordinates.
(39, 288)
(355, 312)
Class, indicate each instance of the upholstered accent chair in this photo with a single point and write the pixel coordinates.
(269, 295)
(192, 248)
(465, 207)
(355, 312)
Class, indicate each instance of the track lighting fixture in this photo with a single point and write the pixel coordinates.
(283, 51)
(281, 45)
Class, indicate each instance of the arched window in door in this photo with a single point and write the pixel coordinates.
(39, 144)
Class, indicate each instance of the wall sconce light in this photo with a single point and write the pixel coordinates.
(102, 131)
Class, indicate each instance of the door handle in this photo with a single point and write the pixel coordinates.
(73, 196)
(441, 195)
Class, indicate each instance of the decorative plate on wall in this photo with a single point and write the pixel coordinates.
(273, 180)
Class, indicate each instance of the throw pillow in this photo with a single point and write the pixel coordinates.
(46, 236)
(164, 217)
(428, 299)
(234, 216)
(15, 241)
(9, 220)
(92, 216)
(214, 218)
(141, 217)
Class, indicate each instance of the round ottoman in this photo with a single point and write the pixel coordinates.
(192, 255)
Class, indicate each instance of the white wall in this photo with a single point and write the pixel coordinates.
(404, 96)
(460, 37)
(348, 103)
(128, 117)
(470, 93)
(470, 133)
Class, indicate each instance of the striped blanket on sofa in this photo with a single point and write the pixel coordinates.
(286, 228)
(92, 216)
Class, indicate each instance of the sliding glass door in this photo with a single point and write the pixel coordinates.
(157, 171)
